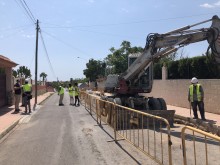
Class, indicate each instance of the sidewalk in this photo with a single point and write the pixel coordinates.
(210, 117)
(211, 125)
(9, 119)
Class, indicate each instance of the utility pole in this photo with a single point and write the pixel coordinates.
(36, 62)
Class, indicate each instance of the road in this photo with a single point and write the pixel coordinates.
(67, 135)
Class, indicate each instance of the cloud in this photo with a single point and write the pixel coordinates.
(208, 5)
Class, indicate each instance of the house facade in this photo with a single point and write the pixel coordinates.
(6, 81)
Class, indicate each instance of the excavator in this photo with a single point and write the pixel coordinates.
(125, 89)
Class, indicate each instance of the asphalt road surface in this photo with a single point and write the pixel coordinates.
(65, 135)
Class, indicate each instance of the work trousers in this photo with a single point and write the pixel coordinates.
(27, 104)
(22, 101)
(76, 99)
(17, 101)
(71, 100)
(200, 104)
(61, 99)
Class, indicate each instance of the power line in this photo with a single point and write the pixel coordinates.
(125, 23)
(23, 10)
(30, 11)
(108, 34)
(31, 16)
(65, 43)
(27, 11)
(47, 54)
(30, 64)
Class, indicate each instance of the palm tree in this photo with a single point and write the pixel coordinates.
(14, 73)
(44, 75)
(24, 71)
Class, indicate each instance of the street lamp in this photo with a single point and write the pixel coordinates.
(82, 58)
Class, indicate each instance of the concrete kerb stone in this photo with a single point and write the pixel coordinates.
(13, 125)
(205, 126)
(7, 130)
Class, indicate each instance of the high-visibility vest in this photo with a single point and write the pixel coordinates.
(70, 91)
(27, 88)
(61, 90)
(198, 93)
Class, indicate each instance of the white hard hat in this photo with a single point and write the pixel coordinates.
(194, 80)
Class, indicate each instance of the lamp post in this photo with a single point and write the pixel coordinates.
(82, 58)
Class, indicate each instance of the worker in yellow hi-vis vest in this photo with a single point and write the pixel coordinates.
(61, 94)
(71, 92)
(76, 94)
(196, 98)
(27, 90)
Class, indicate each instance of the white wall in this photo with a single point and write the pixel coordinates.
(175, 92)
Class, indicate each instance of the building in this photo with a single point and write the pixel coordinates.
(6, 81)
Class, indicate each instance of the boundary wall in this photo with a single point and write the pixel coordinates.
(41, 89)
(175, 92)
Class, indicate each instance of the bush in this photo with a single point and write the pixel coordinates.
(201, 67)
(172, 68)
(158, 71)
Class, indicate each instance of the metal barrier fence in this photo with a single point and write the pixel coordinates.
(209, 146)
(145, 131)
(149, 133)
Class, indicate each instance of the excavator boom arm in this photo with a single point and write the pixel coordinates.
(160, 45)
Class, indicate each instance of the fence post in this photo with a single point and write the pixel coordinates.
(90, 105)
(115, 122)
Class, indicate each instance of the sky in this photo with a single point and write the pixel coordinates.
(74, 31)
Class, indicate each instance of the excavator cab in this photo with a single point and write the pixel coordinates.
(143, 83)
(145, 80)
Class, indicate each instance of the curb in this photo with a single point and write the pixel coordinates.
(50, 94)
(13, 125)
(197, 123)
(7, 130)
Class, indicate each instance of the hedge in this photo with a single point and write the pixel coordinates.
(201, 67)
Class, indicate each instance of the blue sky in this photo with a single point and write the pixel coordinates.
(89, 28)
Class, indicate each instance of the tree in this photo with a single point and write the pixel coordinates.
(118, 58)
(43, 75)
(24, 71)
(79, 80)
(116, 61)
(14, 73)
(95, 69)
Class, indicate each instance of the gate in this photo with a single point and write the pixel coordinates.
(3, 99)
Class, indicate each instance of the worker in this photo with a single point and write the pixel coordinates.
(17, 95)
(22, 100)
(71, 91)
(61, 93)
(27, 90)
(76, 94)
(196, 98)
